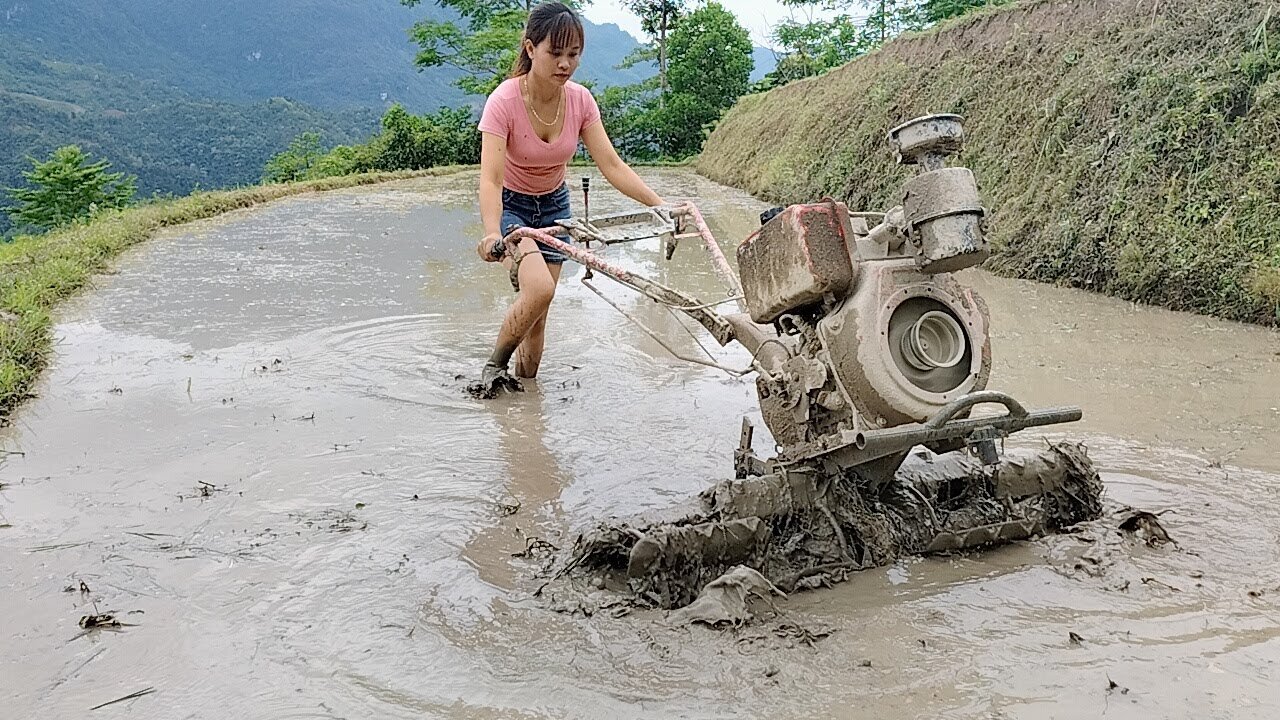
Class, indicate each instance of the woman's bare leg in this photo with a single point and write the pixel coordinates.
(537, 288)
(529, 353)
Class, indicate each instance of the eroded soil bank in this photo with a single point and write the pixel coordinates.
(254, 451)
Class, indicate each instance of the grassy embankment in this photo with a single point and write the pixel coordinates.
(39, 270)
(1130, 147)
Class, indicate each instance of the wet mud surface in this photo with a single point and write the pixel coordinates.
(254, 453)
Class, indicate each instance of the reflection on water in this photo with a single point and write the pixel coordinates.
(529, 512)
(253, 446)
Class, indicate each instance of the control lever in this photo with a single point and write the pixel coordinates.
(586, 215)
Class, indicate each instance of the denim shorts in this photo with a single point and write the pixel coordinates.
(538, 212)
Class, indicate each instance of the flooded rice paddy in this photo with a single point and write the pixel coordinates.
(253, 449)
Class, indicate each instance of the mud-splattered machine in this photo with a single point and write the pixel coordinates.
(870, 357)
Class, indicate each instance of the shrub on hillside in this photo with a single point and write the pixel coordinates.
(417, 142)
(296, 162)
(405, 142)
(68, 187)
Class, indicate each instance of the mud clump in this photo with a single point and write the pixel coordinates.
(1147, 526)
(725, 599)
(804, 529)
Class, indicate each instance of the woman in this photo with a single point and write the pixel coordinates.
(530, 129)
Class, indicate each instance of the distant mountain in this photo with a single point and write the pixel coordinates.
(172, 141)
(328, 53)
(765, 61)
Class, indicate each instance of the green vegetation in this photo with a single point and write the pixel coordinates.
(298, 161)
(68, 187)
(709, 62)
(415, 142)
(36, 271)
(812, 47)
(406, 142)
(238, 51)
(481, 44)
(710, 69)
(1121, 149)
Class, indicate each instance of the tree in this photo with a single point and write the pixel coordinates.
(883, 19)
(632, 113)
(345, 160)
(296, 162)
(482, 43)
(67, 187)
(415, 142)
(710, 69)
(628, 113)
(657, 19)
(820, 45)
(790, 67)
(889, 18)
(938, 10)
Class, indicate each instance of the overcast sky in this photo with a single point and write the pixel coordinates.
(757, 16)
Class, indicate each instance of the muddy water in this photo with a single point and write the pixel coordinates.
(253, 448)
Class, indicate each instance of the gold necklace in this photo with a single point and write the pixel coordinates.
(529, 103)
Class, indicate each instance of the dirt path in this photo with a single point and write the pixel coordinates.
(253, 448)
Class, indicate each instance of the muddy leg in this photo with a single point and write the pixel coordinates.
(537, 288)
(529, 354)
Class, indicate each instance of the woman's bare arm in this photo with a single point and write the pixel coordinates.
(493, 162)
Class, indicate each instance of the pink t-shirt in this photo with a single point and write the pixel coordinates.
(535, 167)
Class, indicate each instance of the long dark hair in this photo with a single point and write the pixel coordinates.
(549, 20)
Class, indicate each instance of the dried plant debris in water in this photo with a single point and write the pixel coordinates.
(535, 547)
(802, 635)
(98, 621)
(102, 620)
(334, 521)
(203, 489)
(82, 588)
(803, 528)
(130, 696)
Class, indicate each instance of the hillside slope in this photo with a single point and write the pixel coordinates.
(1125, 146)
